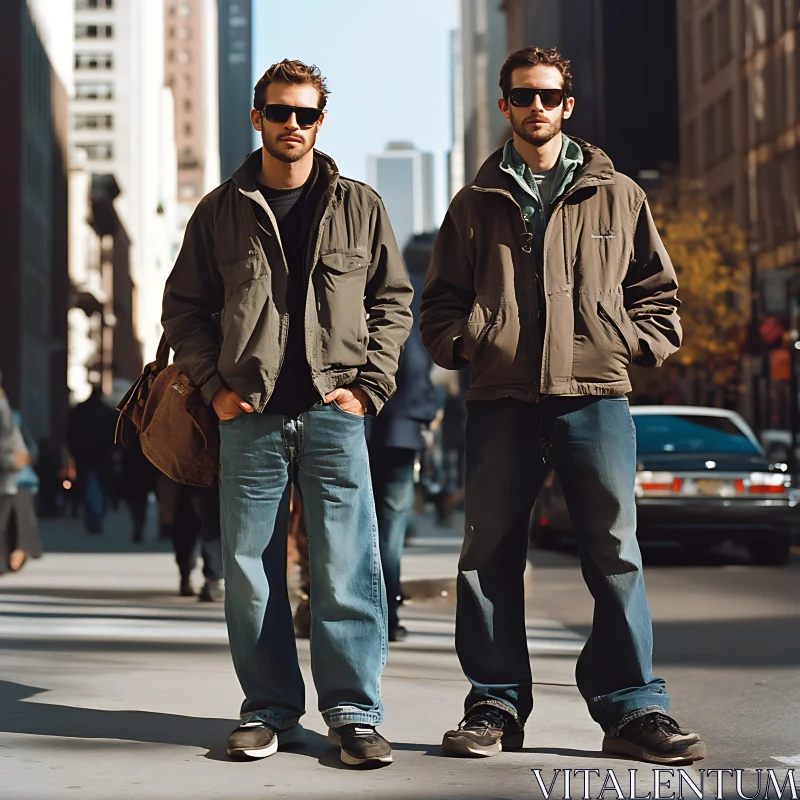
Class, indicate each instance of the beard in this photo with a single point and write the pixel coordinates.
(540, 136)
(275, 149)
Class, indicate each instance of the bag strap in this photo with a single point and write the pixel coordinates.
(162, 354)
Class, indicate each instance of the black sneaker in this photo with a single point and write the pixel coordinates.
(257, 740)
(361, 744)
(398, 634)
(484, 731)
(185, 589)
(657, 738)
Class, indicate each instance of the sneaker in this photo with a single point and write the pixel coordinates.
(252, 740)
(398, 634)
(185, 589)
(484, 731)
(212, 592)
(257, 740)
(657, 738)
(361, 744)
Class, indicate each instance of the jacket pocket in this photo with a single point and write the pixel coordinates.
(340, 282)
(629, 339)
(238, 273)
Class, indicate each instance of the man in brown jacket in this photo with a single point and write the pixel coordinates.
(313, 300)
(549, 278)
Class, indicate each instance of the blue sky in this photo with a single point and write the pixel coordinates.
(388, 68)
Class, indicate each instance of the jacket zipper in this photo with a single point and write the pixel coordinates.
(603, 314)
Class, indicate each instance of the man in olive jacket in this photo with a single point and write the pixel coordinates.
(549, 278)
(313, 300)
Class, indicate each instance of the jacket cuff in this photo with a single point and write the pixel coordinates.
(376, 401)
(210, 387)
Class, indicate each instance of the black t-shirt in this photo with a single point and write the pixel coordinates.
(294, 211)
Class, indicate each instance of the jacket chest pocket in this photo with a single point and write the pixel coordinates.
(340, 285)
(238, 273)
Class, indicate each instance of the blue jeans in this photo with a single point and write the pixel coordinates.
(326, 449)
(393, 487)
(95, 500)
(591, 444)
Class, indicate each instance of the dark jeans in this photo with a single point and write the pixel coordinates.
(197, 520)
(392, 471)
(590, 442)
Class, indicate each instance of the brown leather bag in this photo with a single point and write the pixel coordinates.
(178, 432)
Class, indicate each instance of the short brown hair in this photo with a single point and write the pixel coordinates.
(287, 71)
(532, 57)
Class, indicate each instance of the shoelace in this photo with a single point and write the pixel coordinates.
(664, 722)
(485, 719)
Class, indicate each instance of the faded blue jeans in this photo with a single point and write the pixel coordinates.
(327, 450)
(591, 444)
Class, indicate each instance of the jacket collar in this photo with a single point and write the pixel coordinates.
(596, 168)
(244, 177)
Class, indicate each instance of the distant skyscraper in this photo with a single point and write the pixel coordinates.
(190, 69)
(403, 176)
(235, 83)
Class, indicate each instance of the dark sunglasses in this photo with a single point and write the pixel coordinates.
(278, 113)
(523, 98)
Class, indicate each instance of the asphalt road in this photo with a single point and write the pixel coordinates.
(726, 639)
(113, 687)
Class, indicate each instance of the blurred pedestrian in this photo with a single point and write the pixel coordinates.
(189, 515)
(315, 298)
(138, 478)
(550, 278)
(90, 438)
(395, 440)
(19, 531)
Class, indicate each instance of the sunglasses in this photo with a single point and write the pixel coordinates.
(278, 113)
(523, 98)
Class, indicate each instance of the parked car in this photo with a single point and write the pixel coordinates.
(702, 478)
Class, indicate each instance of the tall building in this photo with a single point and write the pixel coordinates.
(235, 83)
(191, 71)
(33, 223)
(404, 177)
(624, 63)
(739, 113)
(483, 49)
(122, 120)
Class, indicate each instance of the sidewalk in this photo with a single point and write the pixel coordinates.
(111, 686)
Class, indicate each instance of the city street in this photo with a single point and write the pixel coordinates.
(111, 686)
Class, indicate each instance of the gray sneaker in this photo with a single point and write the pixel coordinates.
(212, 592)
(257, 740)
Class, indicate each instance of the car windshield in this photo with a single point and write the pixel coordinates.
(690, 433)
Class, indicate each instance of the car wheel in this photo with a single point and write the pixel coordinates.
(770, 551)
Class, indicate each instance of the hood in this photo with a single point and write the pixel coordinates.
(597, 167)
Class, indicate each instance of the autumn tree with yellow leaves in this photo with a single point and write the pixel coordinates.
(709, 253)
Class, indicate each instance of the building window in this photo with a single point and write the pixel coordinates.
(98, 151)
(707, 46)
(690, 154)
(188, 190)
(724, 51)
(187, 105)
(94, 61)
(94, 91)
(186, 81)
(184, 57)
(709, 137)
(185, 10)
(187, 129)
(94, 31)
(689, 72)
(726, 125)
(94, 122)
(185, 33)
(724, 201)
(85, 5)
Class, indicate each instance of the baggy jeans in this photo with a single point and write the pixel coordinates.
(591, 444)
(326, 449)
